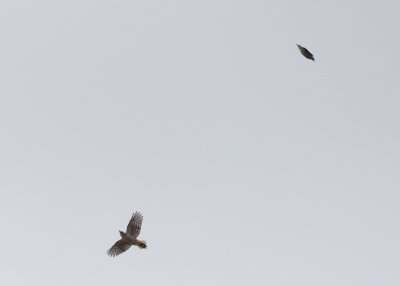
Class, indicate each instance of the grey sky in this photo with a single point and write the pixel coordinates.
(251, 164)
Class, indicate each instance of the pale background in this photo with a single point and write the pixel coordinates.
(251, 164)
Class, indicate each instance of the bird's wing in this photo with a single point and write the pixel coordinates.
(118, 247)
(308, 53)
(135, 225)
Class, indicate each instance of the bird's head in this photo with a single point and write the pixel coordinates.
(122, 234)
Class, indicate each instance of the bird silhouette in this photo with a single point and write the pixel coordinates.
(306, 53)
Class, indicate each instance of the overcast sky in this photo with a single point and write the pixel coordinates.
(251, 164)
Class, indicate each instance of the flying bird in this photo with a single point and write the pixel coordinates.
(130, 237)
(306, 52)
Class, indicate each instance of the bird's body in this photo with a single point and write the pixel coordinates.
(130, 237)
(306, 53)
(132, 240)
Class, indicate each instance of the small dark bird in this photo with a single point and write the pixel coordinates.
(130, 237)
(306, 52)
